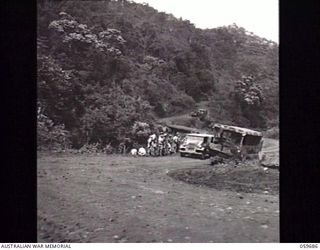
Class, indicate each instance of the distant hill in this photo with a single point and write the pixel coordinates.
(104, 65)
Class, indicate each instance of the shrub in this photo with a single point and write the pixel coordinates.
(49, 135)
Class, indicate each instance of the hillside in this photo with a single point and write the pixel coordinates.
(109, 69)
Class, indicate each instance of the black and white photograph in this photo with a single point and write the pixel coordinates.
(158, 121)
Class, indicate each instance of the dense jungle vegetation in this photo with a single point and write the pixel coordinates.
(107, 70)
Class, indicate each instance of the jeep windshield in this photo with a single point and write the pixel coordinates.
(191, 139)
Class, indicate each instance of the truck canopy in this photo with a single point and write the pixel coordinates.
(243, 131)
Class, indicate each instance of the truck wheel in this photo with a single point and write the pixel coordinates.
(182, 154)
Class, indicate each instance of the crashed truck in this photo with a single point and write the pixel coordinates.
(231, 142)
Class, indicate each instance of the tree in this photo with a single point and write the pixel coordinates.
(49, 134)
(140, 132)
(57, 91)
(250, 99)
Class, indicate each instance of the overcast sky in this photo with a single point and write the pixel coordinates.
(257, 16)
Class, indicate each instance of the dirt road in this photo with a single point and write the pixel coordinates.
(126, 199)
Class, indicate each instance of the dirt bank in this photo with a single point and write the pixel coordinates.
(247, 177)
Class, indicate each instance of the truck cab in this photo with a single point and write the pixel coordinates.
(201, 113)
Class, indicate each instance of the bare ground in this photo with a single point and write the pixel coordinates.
(125, 199)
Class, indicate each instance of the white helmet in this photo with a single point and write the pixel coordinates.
(133, 151)
(142, 151)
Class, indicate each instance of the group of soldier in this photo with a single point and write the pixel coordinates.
(162, 144)
(159, 145)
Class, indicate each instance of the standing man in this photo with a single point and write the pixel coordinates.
(151, 143)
